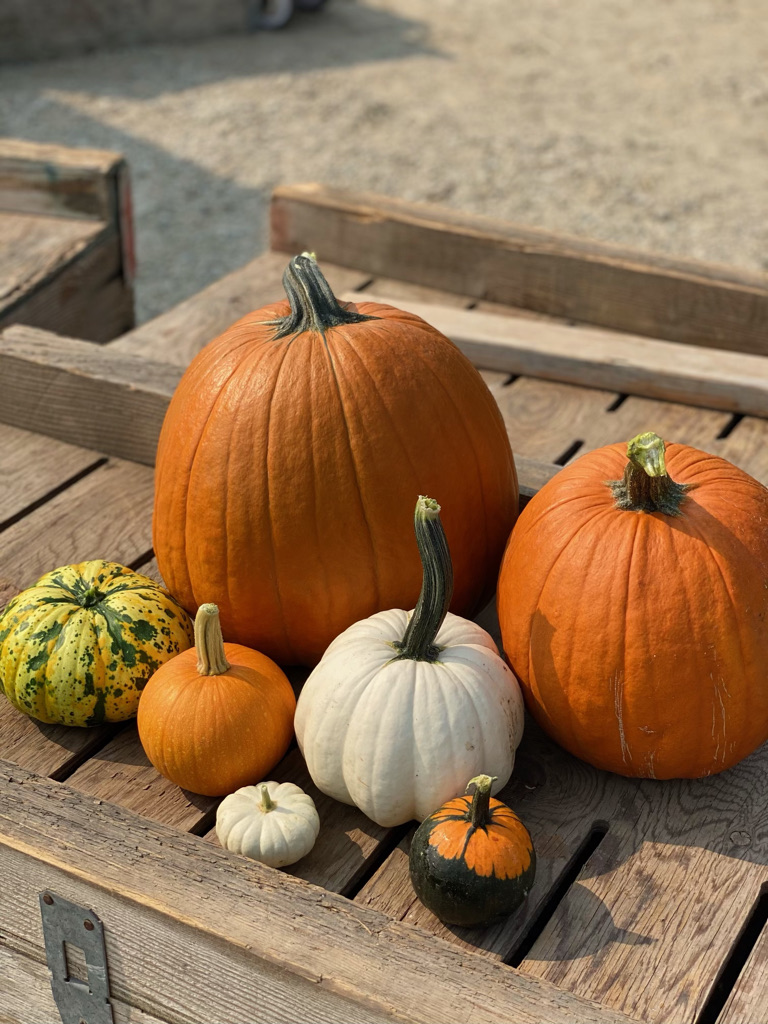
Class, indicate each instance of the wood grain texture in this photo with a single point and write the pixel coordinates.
(659, 905)
(34, 466)
(304, 952)
(81, 394)
(108, 515)
(82, 289)
(121, 772)
(577, 279)
(52, 750)
(575, 354)
(26, 998)
(179, 334)
(746, 446)
(48, 179)
(748, 1002)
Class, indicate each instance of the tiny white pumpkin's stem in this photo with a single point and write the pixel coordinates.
(267, 803)
(646, 486)
(479, 813)
(209, 643)
(418, 643)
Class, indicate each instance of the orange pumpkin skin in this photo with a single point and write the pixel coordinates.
(640, 639)
(287, 470)
(212, 734)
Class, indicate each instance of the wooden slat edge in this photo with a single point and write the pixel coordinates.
(685, 301)
(42, 178)
(275, 919)
(573, 354)
(108, 400)
(83, 394)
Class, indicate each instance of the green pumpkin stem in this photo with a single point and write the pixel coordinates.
(91, 597)
(479, 812)
(646, 485)
(314, 307)
(418, 643)
(209, 642)
(267, 803)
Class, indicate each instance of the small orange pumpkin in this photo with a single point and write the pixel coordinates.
(217, 717)
(289, 450)
(633, 605)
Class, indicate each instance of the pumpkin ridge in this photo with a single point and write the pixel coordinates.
(355, 470)
(479, 489)
(694, 528)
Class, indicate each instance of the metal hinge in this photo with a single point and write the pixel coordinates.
(78, 1002)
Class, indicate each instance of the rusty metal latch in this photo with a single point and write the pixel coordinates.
(78, 1002)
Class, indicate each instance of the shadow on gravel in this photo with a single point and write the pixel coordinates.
(343, 33)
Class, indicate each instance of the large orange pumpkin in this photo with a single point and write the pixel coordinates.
(288, 462)
(635, 612)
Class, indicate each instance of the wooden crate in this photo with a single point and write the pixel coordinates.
(650, 901)
(66, 240)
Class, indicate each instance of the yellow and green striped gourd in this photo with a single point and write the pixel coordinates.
(79, 646)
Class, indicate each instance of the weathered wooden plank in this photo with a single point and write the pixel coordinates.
(85, 291)
(99, 398)
(33, 466)
(51, 750)
(571, 278)
(746, 446)
(546, 420)
(44, 178)
(748, 1002)
(26, 998)
(107, 514)
(659, 905)
(179, 334)
(576, 354)
(121, 773)
(681, 423)
(256, 944)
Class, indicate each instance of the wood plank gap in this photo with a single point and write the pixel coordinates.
(146, 556)
(736, 960)
(53, 493)
(569, 452)
(571, 872)
(376, 859)
(730, 426)
(106, 735)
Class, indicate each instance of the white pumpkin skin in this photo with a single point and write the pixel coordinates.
(398, 738)
(277, 837)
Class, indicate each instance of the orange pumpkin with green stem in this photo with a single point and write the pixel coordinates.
(633, 605)
(217, 717)
(289, 450)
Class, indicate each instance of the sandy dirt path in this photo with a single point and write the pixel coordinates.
(640, 123)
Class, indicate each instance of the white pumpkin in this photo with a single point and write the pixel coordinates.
(275, 823)
(404, 707)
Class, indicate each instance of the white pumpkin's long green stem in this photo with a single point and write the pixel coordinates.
(479, 813)
(267, 803)
(646, 485)
(209, 642)
(314, 307)
(418, 643)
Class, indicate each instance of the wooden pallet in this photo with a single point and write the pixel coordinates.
(650, 900)
(66, 240)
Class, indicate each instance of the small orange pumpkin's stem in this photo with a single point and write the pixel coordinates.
(646, 485)
(209, 642)
(479, 813)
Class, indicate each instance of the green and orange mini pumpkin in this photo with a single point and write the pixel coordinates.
(472, 860)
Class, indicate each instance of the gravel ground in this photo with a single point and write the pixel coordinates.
(639, 123)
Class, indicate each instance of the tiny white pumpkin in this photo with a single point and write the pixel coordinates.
(404, 707)
(275, 823)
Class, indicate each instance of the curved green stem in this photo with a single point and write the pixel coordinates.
(91, 597)
(314, 307)
(479, 813)
(209, 642)
(267, 803)
(418, 642)
(646, 486)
